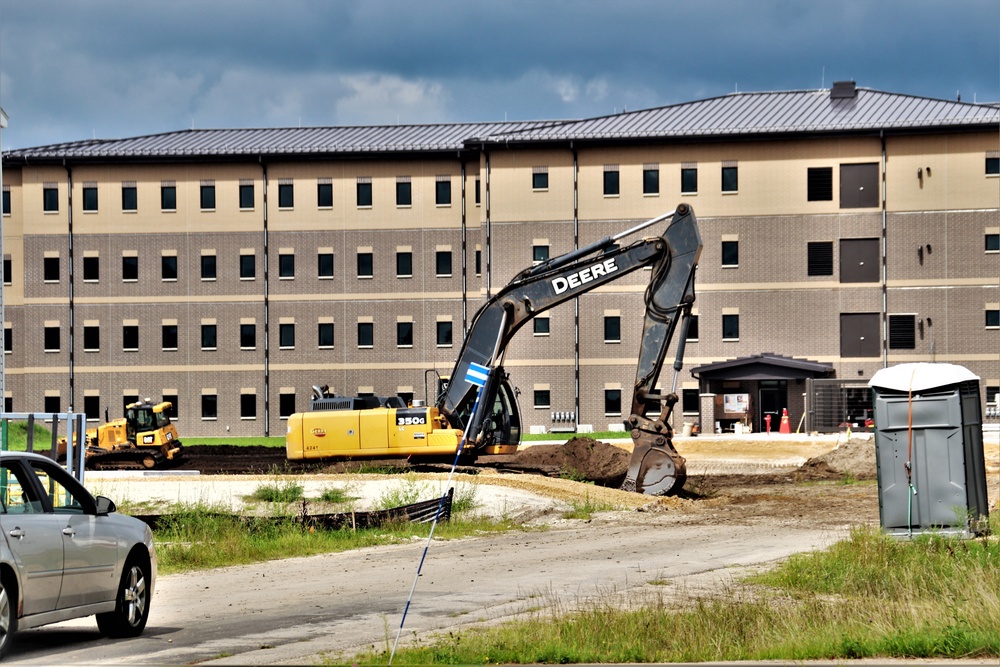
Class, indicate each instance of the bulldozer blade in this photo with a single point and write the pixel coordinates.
(655, 471)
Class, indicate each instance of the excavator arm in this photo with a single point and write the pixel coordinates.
(655, 467)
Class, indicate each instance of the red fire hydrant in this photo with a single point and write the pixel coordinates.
(767, 422)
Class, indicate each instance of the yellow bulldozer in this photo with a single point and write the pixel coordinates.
(144, 439)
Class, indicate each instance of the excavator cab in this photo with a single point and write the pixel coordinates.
(502, 426)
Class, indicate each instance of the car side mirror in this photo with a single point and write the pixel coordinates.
(105, 506)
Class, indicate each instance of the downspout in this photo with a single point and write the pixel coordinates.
(489, 245)
(576, 301)
(267, 313)
(885, 298)
(465, 245)
(72, 308)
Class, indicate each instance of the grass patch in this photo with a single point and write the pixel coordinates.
(586, 508)
(17, 436)
(279, 492)
(335, 495)
(597, 435)
(410, 490)
(191, 441)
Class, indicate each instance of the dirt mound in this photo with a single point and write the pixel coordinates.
(583, 459)
(854, 457)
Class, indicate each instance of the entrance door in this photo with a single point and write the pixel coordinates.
(773, 397)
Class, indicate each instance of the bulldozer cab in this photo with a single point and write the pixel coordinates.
(141, 417)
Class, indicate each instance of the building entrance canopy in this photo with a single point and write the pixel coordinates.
(765, 366)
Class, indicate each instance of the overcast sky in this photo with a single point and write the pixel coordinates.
(72, 70)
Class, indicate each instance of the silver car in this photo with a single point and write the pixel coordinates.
(66, 554)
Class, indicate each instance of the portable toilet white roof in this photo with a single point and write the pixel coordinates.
(918, 377)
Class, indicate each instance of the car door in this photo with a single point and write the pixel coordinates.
(90, 545)
(34, 538)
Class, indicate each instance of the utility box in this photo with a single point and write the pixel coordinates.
(929, 450)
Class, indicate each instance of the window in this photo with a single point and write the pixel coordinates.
(730, 327)
(248, 267)
(479, 262)
(50, 338)
(993, 243)
(819, 184)
(168, 267)
(404, 193)
(442, 191)
(50, 269)
(692, 334)
(324, 264)
(541, 326)
(730, 179)
(690, 401)
(92, 407)
(859, 185)
(286, 266)
(208, 268)
(325, 337)
(50, 198)
(366, 334)
(52, 404)
(730, 253)
(689, 180)
(286, 335)
(859, 335)
(612, 329)
(364, 192)
(540, 178)
(130, 337)
(443, 334)
(168, 336)
(130, 268)
(611, 185)
(248, 406)
(365, 267)
(993, 318)
(90, 197)
(209, 406)
(286, 194)
(127, 400)
(442, 263)
(286, 405)
(612, 401)
(539, 253)
(819, 258)
(246, 195)
(6, 200)
(130, 196)
(993, 395)
(992, 166)
(91, 338)
(324, 194)
(248, 336)
(209, 336)
(651, 179)
(208, 196)
(902, 332)
(477, 191)
(174, 408)
(859, 260)
(8, 341)
(542, 398)
(7, 270)
(404, 334)
(168, 197)
(404, 264)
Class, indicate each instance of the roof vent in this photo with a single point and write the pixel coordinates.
(843, 90)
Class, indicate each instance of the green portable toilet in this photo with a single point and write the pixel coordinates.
(929, 450)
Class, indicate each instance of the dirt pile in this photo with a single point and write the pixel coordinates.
(855, 457)
(583, 459)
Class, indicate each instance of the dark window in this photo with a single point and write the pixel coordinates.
(174, 408)
(286, 405)
(992, 166)
(130, 267)
(859, 335)
(611, 185)
(404, 264)
(130, 337)
(992, 242)
(168, 267)
(730, 327)
(730, 179)
(130, 198)
(51, 339)
(209, 406)
(442, 263)
(92, 407)
(859, 260)
(50, 200)
(6, 202)
(902, 332)
(650, 181)
(365, 267)
(8, 404)
(127, 400)
(248, 406)
(540, 180)
(208, 268)
(246, 195)
(730, 253)
(444, 334)
(91, 338)
(324, 195)
(479, 262)
(286, 334)
(690, 401)
(286, 195)
(542, 326)
(168, 336)
(248, 266)
(208, 197)
(52, 404)
(993, 318)
(689, 180)
(693, 328)
(364, 194)
(404, 334)
(286, 266)
(89, 198)
(50, 269)
(8, 339)
(8, 270)
(819, 183)
(859, 185)
(209, 336)
(612, 329)
(404, 193)
(325, 338)
(248, 336)
(819, 258)
(539, 253)
(168, 197)
(366, 334)
(542, 398)
(477, 190)
(993, 395)
(324, 264)
(442, 193)
(612, 401)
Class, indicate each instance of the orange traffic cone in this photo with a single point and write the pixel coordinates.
(785, 427)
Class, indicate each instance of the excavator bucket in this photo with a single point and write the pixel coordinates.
(655, 470)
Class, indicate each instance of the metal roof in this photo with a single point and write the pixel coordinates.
(765, 366)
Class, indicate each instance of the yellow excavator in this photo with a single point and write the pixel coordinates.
(144, 439)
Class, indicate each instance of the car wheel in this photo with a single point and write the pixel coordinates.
(8, 619)
(131, 603)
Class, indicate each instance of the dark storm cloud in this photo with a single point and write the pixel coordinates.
(112, 68)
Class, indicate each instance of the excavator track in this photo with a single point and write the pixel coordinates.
(138, 459)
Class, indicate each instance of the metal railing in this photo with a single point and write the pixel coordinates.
(75, 436)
